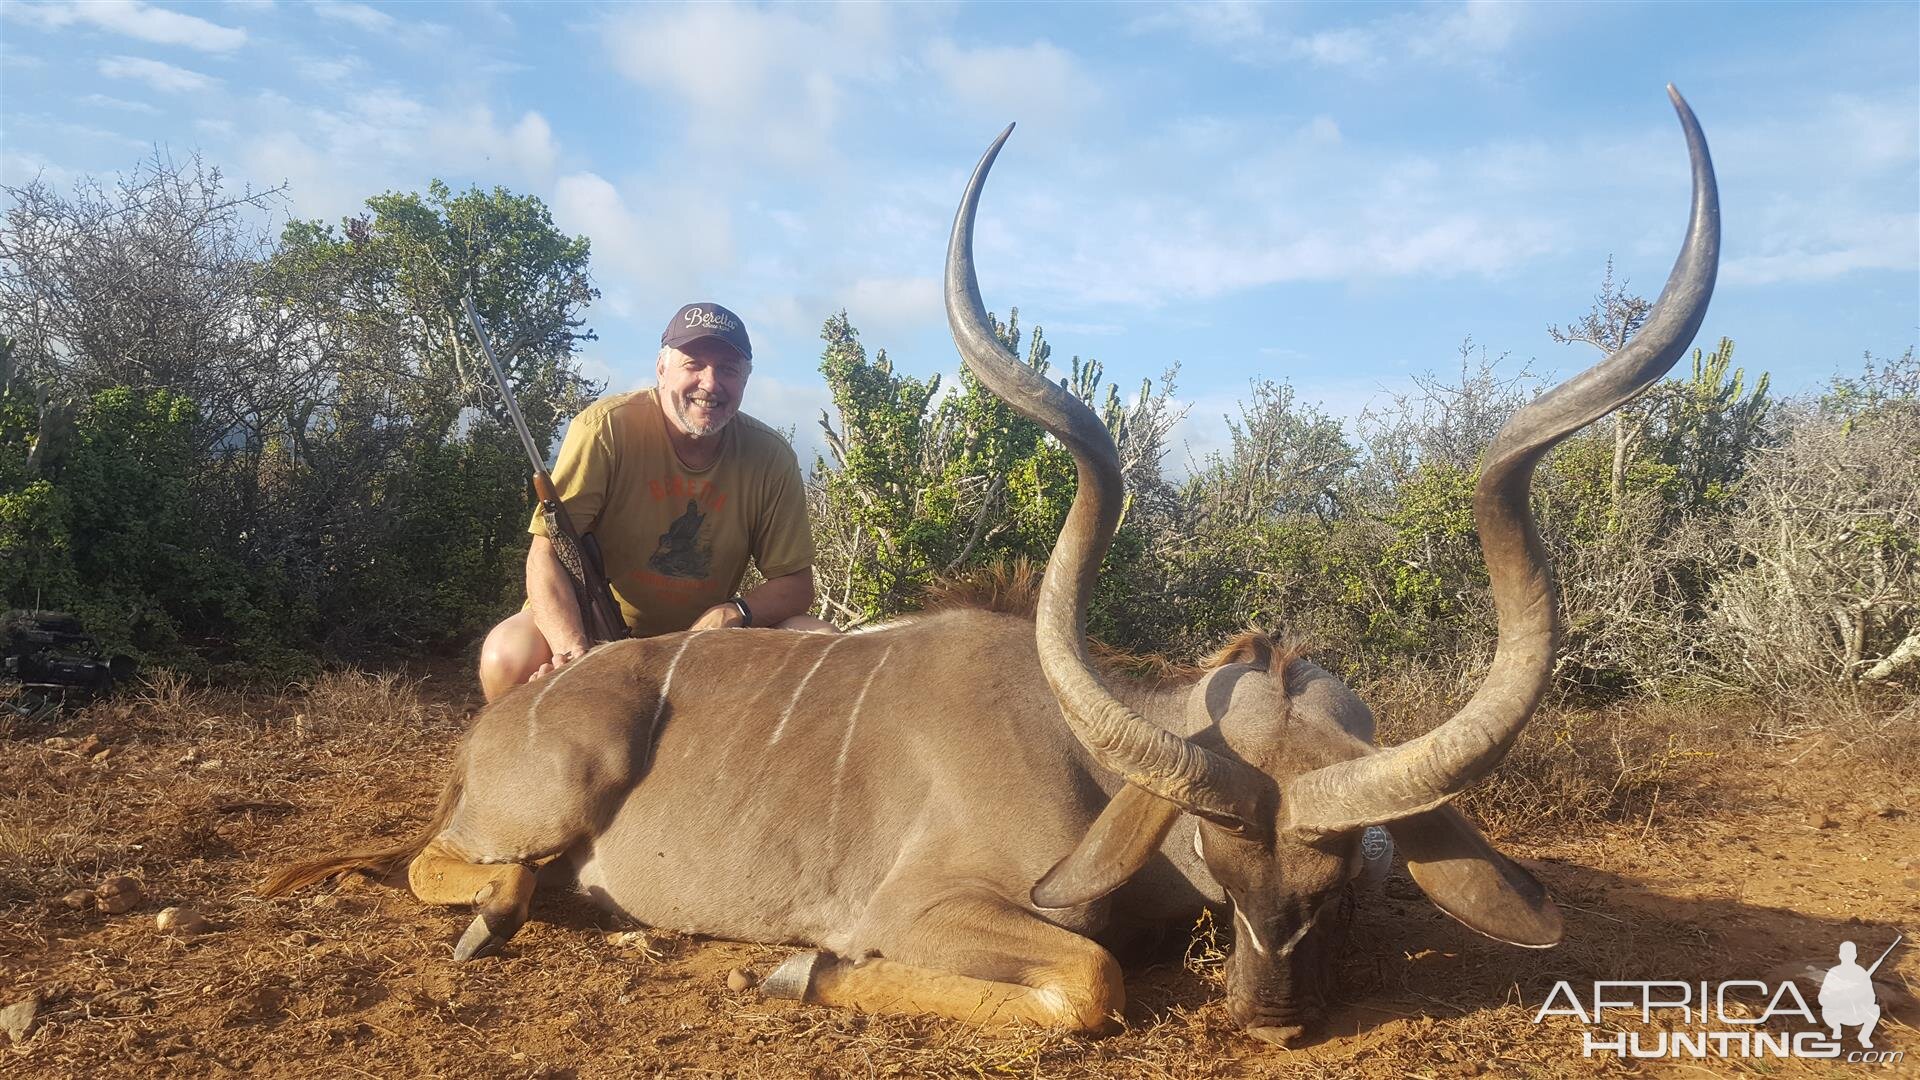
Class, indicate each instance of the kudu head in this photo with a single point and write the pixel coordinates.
(1281, 771)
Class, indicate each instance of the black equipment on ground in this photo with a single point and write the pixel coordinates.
(53, 659)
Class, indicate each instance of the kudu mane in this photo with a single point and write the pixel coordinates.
(1013, 588)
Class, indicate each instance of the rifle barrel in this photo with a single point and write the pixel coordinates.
(1883, 956)
(506, 388)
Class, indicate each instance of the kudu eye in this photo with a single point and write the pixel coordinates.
(1233, 826)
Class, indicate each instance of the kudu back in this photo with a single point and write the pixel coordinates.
(952, 813)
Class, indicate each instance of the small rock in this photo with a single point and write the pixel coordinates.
(1911, 883)
(90, 746)
(182, 922)
(117, 895)
(17, 1019)
(1911, 862)
(102, 755)
(1820, 820)
(302, 939)
(740, 979)
(78, 899)
(60, 742)
(191, 757)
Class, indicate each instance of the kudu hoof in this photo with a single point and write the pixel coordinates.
(484, 937)
(792, 978)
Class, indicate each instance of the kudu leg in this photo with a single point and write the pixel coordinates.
(499, 892)
(986, 962)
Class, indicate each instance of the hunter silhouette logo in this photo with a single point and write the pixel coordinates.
(1846, 995)
(1709, 1019)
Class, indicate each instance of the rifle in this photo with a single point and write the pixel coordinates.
(578, 553)
(1897, 939)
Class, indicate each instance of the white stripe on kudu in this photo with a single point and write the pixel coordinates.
(666, 684)
(853, 718)
(781, 727)
(846, 743)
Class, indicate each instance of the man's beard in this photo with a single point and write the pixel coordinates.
(698, 430)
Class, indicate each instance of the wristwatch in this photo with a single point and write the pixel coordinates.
(746, 613)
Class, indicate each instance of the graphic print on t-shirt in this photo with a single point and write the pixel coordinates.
(685, 550)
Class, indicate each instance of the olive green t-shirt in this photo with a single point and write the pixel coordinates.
(676, 540)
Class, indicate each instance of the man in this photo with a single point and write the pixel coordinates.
(679, 488)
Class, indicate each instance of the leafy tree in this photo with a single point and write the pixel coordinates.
(408, 476)
(922, 486)
(1615, 317)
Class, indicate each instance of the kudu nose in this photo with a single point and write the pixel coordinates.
(1279, 1035)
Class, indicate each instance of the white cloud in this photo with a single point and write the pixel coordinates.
(1479, 25)
(334, 158)
(473, 136)
(1800, 243)
(1037, 81)
(757, 84)
(891, 308)
(105, 102)
(65, 133)
(161, 76)
(337, 70)
(1228, 22)
(1461, 35)
(1353, 47)
(136, 20)
(1322, 129)
(600, 368)
(1841, 202)
(670, 248)
(1317, 208)
(309, 174)
(392, 111)
(781, 404)
(372, 20)
(18, 168)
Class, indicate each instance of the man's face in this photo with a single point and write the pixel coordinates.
(701, 384)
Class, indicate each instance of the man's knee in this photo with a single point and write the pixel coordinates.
(810, 623)
(513, 651)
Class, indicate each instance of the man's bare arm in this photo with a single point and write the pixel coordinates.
(774, 602)
(555, 610)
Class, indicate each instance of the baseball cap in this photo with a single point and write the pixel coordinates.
(707, 320)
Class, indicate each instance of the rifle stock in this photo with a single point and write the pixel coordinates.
(579, 554)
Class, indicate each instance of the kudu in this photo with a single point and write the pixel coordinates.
(957, 809)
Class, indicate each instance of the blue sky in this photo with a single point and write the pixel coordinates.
(1335, 195)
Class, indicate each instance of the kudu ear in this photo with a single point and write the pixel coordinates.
(1466, 878)
(1251, 648)
(1125, 835)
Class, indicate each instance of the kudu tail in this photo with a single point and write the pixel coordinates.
(376, 862)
